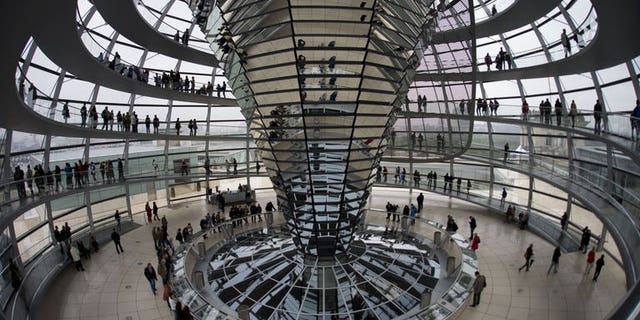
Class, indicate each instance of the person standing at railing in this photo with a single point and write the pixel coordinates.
(509, 59)
(573, 112)
(525, 110)
(156, 124)
(487, 61)
(506, 152)
(32, 96)
(565, 43)
(635, 121)
(116, 216)
(503, 197)
(58, 177)
(65, 112)
(597, 116)
(178, 126)
(83, 116)
(29, 177)
(147, 124)
(558, 109)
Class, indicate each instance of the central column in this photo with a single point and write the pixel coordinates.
(319, 83)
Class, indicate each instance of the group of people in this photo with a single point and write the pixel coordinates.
(239, 215)
(409, 215)
(77, 175)
(184, 39)
(484, 108)
(501, 60)
(74, 252)
(546, 109)
(165, 251)
(529, 258)
(124, 121)
(129, 71)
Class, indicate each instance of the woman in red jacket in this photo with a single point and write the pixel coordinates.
(475, 242)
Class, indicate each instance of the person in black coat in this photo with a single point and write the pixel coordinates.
(115, 236)
(150, 274)
(599, 265)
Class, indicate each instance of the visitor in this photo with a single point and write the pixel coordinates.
(472, 226)
(420, 200)
(597, 116)
(528, 259)
(591, 258)
(525, 110)
(573, 112)
(75, 256)
(506, 152)
(635, 121)
(115, 236)
(487, 61)
(558, 110)
(503, 197)
(585, 239)
(555, 261)
(116, 216)
(599, 265)
(564, 39)
(150, 274)
(563, 221)
(475, 242)
(478, 285)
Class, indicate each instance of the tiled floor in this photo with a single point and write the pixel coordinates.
(113, 287)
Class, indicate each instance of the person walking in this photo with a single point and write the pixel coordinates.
(528, 257)
(115, 236)
(150, 274)
(472, 226)
(475, 242)
(591, 258)
(599, 265)
(478, 285)
(555, 260)
(75, 256)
